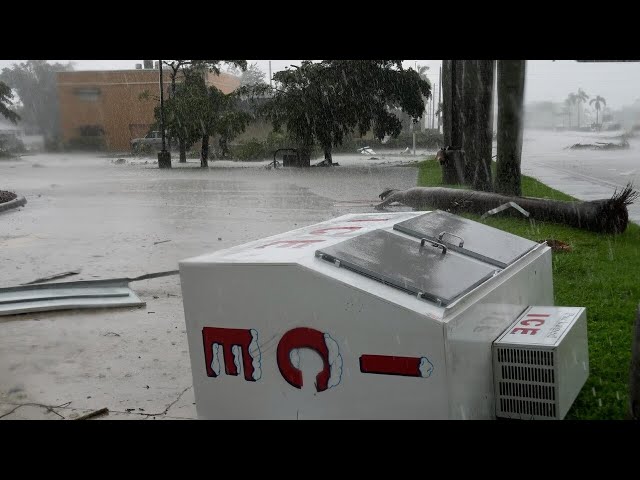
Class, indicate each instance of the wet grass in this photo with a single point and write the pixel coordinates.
(600, 273)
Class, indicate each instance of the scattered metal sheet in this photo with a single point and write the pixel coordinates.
(503, 207)
(73, 295)
(53, 277)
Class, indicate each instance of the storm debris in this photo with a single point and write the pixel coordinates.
(96, 413)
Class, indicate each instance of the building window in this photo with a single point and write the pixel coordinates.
(88, 94)
(91, 131)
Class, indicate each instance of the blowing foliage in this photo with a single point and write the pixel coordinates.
(325, 102)
(6, 98)
(196, 112)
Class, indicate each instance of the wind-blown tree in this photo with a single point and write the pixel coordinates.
(569, 101)
(322, 103)
(572, 100)
(6, 101)
(422, 71)
(580, 97)
(598, 102)
(253, 75)
(197, 112)
(438, 114)
(36, 85)
(182, 66)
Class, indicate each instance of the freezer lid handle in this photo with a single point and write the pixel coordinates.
(442, 234)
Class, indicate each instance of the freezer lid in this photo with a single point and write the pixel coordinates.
(422, 268)
(468, 237)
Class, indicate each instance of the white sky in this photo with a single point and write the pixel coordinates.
(618, 83)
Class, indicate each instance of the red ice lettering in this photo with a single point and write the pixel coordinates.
(227, 338)
(323, 231)
(369, 220)
(303, 338)
(525, 331)
(527, 322)
(290, 243)
(390, 365)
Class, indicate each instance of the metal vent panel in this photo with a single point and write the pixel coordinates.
(525, 383)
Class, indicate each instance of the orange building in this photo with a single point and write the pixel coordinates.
(107, 103)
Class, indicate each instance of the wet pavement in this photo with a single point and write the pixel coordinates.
(583, 174)
(104, 217)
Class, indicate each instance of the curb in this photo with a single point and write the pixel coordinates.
(16, 202)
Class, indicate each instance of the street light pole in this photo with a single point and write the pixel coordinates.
(162, 108)
(164, 157)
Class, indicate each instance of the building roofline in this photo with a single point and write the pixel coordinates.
(134, 70)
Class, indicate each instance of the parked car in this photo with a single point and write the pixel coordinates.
(152, 139)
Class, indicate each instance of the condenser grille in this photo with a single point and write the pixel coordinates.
(526, 408)
(527, 374)
(525, 382)
(527, 357)
(527, 390)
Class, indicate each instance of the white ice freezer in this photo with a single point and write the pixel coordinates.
(374, 316)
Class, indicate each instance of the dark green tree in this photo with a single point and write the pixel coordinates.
(6, 101)
(322, 103)
(179, 68)
(36, 84)
(197, 112)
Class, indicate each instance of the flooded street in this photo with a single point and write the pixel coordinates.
(584, 174)
(90, 213)
(87, 213)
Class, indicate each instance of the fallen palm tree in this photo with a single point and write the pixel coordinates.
(600, 146)
(604, 216)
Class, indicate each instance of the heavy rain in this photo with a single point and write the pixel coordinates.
(219, 176)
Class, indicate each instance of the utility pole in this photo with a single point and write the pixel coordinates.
(270, 81)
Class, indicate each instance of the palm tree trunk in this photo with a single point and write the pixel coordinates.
(470, 127)
(457, 68)
(578, 115)
(482, 177)
(511, 74)
(446, 101)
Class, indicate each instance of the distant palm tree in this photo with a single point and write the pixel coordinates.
(566, 112)
(580, 98)
(599, 103)
(569, 102)
(422, 71)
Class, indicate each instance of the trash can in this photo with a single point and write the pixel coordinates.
(379, 316)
